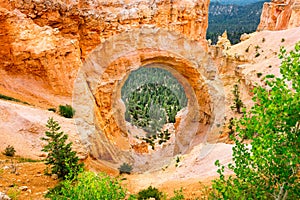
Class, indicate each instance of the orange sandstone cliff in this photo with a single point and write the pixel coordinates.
(280, 15)
(44, 43)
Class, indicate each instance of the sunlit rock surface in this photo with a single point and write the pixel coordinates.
(280, 15)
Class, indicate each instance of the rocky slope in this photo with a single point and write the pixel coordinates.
(23, 126)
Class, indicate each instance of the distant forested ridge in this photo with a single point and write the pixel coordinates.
(236, 2)
(235, 19)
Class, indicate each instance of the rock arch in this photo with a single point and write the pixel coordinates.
(97, 93)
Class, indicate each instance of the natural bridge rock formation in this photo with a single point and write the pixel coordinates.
(100, 111)
(44, 43)
(280, 15)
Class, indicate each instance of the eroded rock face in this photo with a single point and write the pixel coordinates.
(95, 21)
(280, 15)
(39, 53)
(43, 42)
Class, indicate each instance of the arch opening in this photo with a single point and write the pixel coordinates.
(152, 97)
(155, 102)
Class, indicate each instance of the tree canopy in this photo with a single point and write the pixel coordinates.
(267, 168)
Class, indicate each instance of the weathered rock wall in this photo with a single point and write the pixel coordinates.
(280, 15)
(94, 21)
(37, 53)
(46, 41)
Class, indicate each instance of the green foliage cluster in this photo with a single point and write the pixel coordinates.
(79, 185)
(257, 54)
(259, 74)
(178, 159)
(12, 99)
(150, 192)
(23, 160)
(159, 138)
(247, 49)
(66, 111)
(125, 168)
(61, 158)
(178, 195)
(14, 193)
(52, 109)
(9, 151)
(75, 184)
(88, 186)
(152, 96)
(152, 106)
(235, 19)
(268, 168)
(231, 126)
(237, 102)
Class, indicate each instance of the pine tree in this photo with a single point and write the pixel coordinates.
(63, 161)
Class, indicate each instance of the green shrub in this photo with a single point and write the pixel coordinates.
(8, 98)
(150, 192)
(177, 161)
(247, 49)
(52, 109)
(22, 160)
(88, 186)
(161, 138)
(61, 158)
(259, 74)
(237, 103)
(178, 195)
(231, 126)
(125, 168)
(12, 99)
(13, 193)
(9, 151)
(66, 111)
